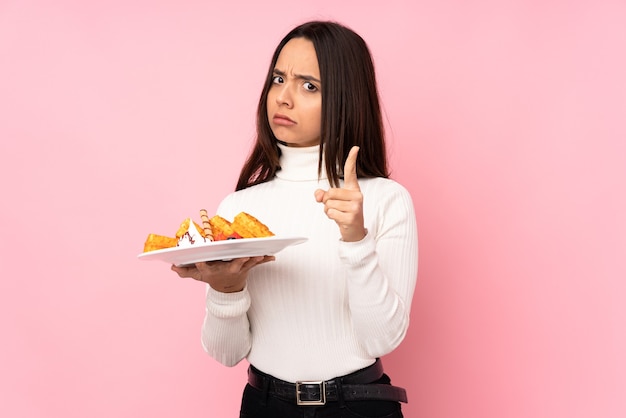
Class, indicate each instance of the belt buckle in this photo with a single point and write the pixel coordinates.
(320, 401)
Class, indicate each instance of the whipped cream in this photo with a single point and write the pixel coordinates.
(193, 236)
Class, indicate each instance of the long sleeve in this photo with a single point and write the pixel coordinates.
(226, 330)
(381, 275)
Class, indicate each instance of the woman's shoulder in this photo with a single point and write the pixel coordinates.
(382, 185)
(234, 200)
(385, 192)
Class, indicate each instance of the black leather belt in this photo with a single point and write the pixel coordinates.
(356, 386)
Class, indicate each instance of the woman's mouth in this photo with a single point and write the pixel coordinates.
(280, 119)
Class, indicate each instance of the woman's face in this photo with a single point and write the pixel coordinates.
(294, 101)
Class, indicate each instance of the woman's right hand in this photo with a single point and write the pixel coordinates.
(223, 276)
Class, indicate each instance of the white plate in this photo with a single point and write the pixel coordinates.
(222, 250)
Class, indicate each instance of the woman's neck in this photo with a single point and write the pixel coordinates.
(299, 163)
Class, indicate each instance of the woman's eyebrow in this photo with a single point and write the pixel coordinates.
(298, 76)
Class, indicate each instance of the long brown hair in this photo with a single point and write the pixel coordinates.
(351, 112)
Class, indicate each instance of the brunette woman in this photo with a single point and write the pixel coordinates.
(314, 321)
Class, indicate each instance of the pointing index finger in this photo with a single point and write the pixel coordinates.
(349, 170)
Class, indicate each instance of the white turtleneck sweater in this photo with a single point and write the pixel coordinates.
(324, 308)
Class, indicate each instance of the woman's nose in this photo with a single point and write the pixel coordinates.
(284, 96)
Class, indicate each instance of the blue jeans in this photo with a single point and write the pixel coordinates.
(256, 404)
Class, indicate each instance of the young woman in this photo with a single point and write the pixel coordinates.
(314, 320)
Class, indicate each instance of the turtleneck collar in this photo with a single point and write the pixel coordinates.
(299, 163)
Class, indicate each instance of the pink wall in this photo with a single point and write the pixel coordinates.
(506, 124)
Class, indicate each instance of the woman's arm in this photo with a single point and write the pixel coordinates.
(226, 330)
(381, 274)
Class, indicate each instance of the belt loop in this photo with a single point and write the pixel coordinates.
(266, 390)
(340, 400)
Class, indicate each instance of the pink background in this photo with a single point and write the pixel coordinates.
(506, 122)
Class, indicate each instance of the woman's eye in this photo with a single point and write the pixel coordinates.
(309, 86)
(277, 79)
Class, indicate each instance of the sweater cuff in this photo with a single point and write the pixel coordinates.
(227, 305)
(357, 254)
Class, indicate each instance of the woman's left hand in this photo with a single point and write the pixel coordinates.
(344, 205)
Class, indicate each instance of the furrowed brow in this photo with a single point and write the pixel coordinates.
(298, 76)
